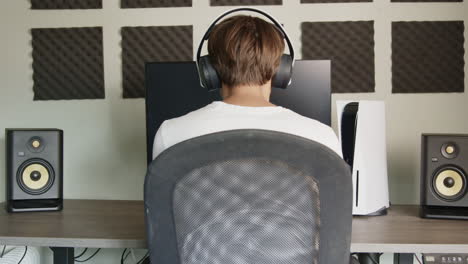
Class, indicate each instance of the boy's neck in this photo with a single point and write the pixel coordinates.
(247, 95)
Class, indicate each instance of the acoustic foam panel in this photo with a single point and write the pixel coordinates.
(349, 46)
(154, 3)
(67, 63)
(332, 1)
(151, 44)
(66, 4)
(245, 2)
(427, 57)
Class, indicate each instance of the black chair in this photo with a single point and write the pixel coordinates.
(248, 197)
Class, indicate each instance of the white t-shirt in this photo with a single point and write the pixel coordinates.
(219, 116)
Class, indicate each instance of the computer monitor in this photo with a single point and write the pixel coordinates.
(173, 89)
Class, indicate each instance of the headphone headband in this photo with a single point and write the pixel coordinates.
(275, 22)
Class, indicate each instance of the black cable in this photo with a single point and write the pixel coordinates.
(90, 257)
(122, 257)
(3, 251)
(143, 258)
(372, 259)
(24, 255)
(416, 256)
(126, 255)
(81, 254)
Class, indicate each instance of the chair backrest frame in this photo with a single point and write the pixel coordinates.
(330, 171)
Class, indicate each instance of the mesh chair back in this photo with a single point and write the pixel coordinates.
(248, 196)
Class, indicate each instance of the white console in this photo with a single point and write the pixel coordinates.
(361, 126)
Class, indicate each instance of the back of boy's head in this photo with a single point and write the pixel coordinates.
(245, 50)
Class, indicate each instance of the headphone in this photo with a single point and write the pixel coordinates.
(209, 78)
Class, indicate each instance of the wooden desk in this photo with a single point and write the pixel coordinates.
(120, 224)
(82, 223)
(403, 231)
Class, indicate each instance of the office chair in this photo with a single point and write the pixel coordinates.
(248, 197)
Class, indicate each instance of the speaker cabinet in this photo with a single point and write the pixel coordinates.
(34, 169)
(444, 178)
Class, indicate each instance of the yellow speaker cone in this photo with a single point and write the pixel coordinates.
(35, 176)
(449, 183)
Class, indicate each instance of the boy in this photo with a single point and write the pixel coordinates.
(245, 51)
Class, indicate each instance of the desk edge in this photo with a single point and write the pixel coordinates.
(409, 248)
(73, 242)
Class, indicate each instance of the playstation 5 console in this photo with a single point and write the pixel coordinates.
(362, 135)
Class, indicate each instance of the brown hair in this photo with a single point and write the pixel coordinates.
(245, 50)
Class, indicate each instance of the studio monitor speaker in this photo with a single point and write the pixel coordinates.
(444, 178)
(34, 169)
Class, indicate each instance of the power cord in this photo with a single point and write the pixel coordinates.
(372, 259)
(24, 255)
(90, 257)
(81, 254)
(417, 258)
(368, 257)
(3, 251)
(143, 258)
(124, 256)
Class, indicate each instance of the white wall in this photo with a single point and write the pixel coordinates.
(105, 139)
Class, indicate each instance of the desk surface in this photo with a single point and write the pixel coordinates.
(120, 224)
(82, 223)
(403, 231)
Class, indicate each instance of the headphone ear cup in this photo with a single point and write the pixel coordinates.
(282, 77)
(208, 75)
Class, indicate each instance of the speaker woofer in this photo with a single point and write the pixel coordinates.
(35, 176)
(449, 183)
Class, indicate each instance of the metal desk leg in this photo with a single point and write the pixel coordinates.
(369, 258)
(402, 258)
(63, 255)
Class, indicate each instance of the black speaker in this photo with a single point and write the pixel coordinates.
(34, 169)
(444, 178)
